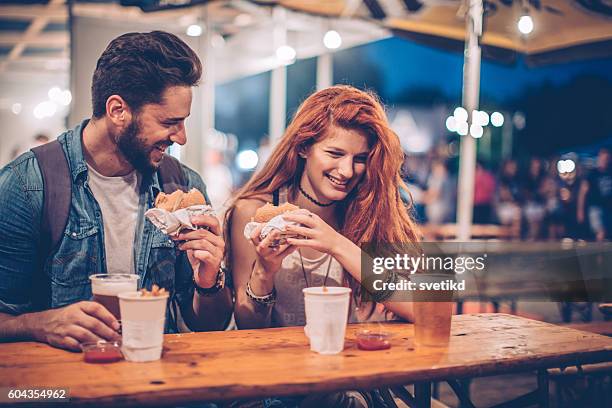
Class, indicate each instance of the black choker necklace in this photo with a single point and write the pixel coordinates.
(320, 204)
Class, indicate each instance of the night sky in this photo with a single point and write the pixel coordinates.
(567, 105)
(406, 64)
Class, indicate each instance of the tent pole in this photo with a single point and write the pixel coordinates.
(471, 91)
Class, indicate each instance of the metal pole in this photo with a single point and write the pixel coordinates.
(471, 90)
(207, 90)
(324, 71)
(278, 81)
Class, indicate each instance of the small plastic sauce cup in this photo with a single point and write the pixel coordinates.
(102, 352)
(373, 340)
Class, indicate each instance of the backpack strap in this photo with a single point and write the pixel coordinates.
(57, 194)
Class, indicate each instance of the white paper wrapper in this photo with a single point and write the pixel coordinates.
(276, 223)
(172, 223)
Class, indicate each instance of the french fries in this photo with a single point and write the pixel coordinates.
(155, 291)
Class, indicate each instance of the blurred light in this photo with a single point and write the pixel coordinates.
(451, 124)
(247, 160)
(476, 130)
(243, 19)
(497, 119)
(45, 109)
(519, 120)
(55, 94)
(462, 128)
(480, 117)
(525, 24)
(460, 114)
(16, 108)
(566, 166)
(285, 53)
(194, 30)
(332, 40)
(217, 41)
(65, 98)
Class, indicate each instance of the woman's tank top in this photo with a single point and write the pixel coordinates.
(289, 282)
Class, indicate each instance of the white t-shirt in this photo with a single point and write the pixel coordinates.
(118, 199)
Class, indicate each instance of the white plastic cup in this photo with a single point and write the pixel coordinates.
(326, 318)
(143, 319)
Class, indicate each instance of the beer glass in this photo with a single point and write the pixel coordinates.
(106, 287)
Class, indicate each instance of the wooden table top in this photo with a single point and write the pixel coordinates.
(274, 362)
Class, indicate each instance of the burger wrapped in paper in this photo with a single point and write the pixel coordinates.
(272, 218)
(173, 212)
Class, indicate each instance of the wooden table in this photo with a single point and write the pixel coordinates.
(275, 362)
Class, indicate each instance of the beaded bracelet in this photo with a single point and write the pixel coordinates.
(266, 300)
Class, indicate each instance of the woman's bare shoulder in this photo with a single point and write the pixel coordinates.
(248, 206)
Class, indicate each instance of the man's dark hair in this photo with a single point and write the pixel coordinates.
(140, 66)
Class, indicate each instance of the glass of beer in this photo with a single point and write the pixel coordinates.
(106, 287)
(433, 310)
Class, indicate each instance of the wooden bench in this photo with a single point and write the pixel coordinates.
(582, 380)
(478, 231)
(603, 328)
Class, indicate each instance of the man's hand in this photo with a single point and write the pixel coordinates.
(78, 323)
(204, 248)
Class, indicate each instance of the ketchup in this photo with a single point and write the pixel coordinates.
(373, 341)
(103, 355)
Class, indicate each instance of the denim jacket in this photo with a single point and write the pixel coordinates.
(81, 251)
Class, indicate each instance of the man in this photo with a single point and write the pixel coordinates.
(141, 96)
(595, 197)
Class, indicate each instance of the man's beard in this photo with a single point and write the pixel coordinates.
(135, 150)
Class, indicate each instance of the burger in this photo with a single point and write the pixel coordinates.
(269, 211)
(179, 200)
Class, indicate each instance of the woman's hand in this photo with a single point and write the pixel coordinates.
(269, 259)
(318, 234)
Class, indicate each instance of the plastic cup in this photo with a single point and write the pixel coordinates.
(326, 318)
(106, 287)
(143, 319)
(432, 311)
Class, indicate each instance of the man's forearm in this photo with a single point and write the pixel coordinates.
(18, 328)
(210, 312)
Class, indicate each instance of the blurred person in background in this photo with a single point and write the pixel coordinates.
(508, 178)
(218, 179)
(484, 194)
(507, 210)
(532, 202)
(569, 190)
(439, 196)
(532, 178)
(595, 198)
(554, 227)
(38, 140)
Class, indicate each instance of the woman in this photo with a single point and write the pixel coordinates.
(340, 161)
